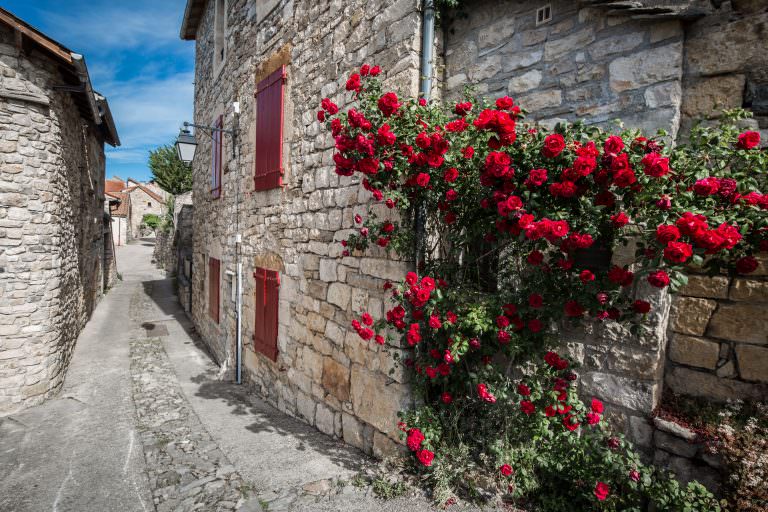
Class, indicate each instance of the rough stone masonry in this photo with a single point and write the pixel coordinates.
(591, 61)
(53, 234)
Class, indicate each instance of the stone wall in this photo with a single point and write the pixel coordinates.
(324, 373)
(51, 225)
(719, 337)
(143, 204)
(583, 64)
(726, 63)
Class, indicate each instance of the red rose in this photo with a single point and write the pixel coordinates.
(321, 115)
(451, 175)
(659, 279)
(655, 165)
(706, 186)
(375, 71)
(527, 407)
(746, 265)
(535, 257)
(414, 440)
(634, 475)
(678, 252)
(535, 325)
(425, 457)
(506, 469)
(504, 103)
(422, 179)
(619, 219)
(329, 106)
(613, 145)
(624, 178)
(641, 306)
(553, 145)
(535, 300)
(666, 233)
(573, 309)
(484, 394)
(748, 140)
(468, 152)
(593, 418)
(354, 84)
(446, 398)
(365, 69)
(523, 390)
(596, 406)
(620, 276)
(536, 178)
(586, 276)
(601, 491)
(463, 109)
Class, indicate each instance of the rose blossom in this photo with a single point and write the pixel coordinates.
(748, 140)
(553, 145)
(506, 469)
(658, 278)
(425, 457)
(602, 491)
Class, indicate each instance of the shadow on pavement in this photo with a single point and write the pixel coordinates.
(242, 400)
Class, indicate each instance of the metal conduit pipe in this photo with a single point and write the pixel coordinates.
(425, 90)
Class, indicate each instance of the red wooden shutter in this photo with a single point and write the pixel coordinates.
(214, 270)
(216, 157)
(266, 304)
(269, 131)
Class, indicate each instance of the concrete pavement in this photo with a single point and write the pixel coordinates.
(144, 423)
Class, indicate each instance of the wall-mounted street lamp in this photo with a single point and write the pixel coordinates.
(186, 144)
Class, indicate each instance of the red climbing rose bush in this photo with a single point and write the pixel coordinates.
(519, 231)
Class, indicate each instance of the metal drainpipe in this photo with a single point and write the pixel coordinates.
(238, 250)
(425, 89)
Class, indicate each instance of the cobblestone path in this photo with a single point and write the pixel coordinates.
(186, 468)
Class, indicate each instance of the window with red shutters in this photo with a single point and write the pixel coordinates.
(214, 289)
(269, 131)
(217, 150)
(267, 297)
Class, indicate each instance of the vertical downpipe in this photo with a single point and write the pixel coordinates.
(425, 89)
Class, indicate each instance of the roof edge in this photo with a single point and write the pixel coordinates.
(191, 20)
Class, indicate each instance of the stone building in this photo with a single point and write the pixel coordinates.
(119, 206)
(145, 198)
(273, 202)
(55, 241)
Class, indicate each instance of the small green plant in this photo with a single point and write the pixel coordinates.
(385, 489)
(359, 480)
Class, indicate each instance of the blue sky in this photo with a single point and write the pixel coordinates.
(135, 58)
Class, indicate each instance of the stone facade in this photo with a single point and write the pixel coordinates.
(719, 337)
(590, 63)
(53, 235)
(323, 373)
(145, 199)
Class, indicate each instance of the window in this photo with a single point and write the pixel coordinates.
(216, 157)
(149, 204)
(269, 131)
(266, 301)
(214, 272)
(219, 38)
(543, 15)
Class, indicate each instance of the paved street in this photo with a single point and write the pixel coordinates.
(143, 423)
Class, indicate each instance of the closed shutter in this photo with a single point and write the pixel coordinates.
(267, 298)
(214, 271)
(216, 157)
(269, 131)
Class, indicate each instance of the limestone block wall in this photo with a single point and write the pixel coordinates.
(583, 64)
(324, 373)
(51, 226)
(141, 205)
(719, 337)
(725, 63)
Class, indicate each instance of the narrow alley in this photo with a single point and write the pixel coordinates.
(142, 423)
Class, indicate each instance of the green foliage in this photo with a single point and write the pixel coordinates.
(151, 220)
(511, 211)
(170, 173)
(167, 222)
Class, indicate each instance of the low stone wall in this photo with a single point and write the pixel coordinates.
(164, 254)
(719, 337)
(681, 451)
